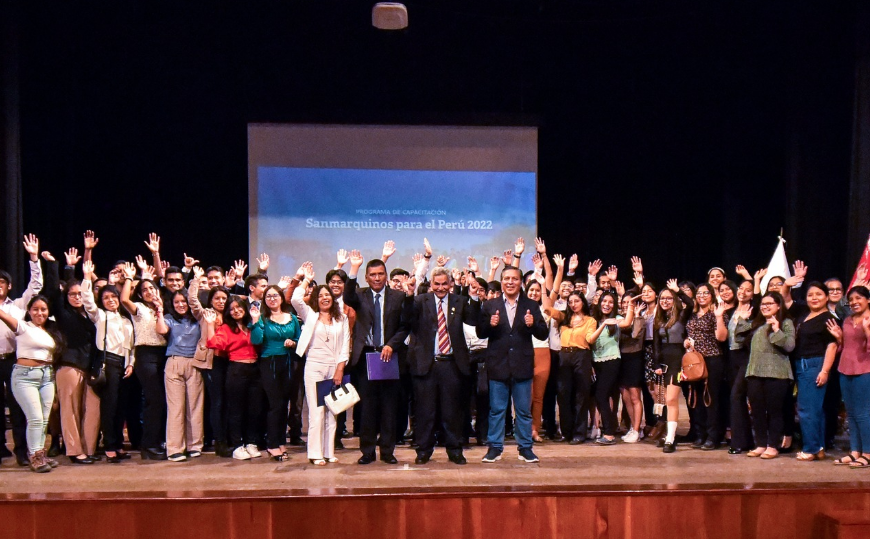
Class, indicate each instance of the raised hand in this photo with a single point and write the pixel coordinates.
(409, 285)
(744, 312)
(620, 288)
(759, 275)
(539, 246)
(442, 260)
(240, 268)
(636, 264)
(835, 329)
(508, 258)
(594, 267)
(638, 279)
(284, 282)
(528, 318)
(519, 246)
(263, 262)
(341, 258)
(720, 309)
(612, 271)
(610, 322)
(255, 314)
(164, 265)
(774, 324)
(153, 243)
(537, 260)
(427, 249)
(573, 263)
(230, 278)
(198, 272)
(129, 270)
(48, 256)
(472, 265)
(456, 275)
(91, 240)
(493, 320)
(418, 260)
(72, 256)
(673, 286)
(141, 263)
(559, 260)
(209, 315)
(494, 262)
(800, 269)
(189, 261)
(31, 245)
(389, 250)
(88, 269)
(308, 271)
(147, 273)
(743, 272)
(356, 259)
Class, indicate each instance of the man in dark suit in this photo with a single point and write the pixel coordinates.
(438, 358)
(509, 322)
(378, 328)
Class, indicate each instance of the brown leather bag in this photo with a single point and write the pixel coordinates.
(695, 370)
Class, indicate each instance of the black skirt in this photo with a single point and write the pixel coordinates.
(631, 371)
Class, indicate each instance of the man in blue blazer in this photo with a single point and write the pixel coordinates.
(510, 322)
(438, 358)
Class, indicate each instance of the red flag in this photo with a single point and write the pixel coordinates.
(863, 263)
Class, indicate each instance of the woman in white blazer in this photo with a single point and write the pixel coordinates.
(326, 340)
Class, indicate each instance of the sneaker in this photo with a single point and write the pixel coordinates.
(177, 457)
(526, 455)
(37, 463)
(241, 454)
(492, 455)
(601, 440)
(632, 437)
(252, 450)
(193, 454)
(626, 435)
(594, 434)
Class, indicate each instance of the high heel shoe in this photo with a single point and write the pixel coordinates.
(76, 460)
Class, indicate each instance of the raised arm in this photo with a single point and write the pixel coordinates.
(127, 289)
(551, 298)
(91, 242)
(153, 245)
(34, 286)
(193, 293)
(88, 302)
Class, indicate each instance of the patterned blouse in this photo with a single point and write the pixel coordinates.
(703, 330)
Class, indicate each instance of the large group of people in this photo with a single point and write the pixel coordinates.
(177, 361)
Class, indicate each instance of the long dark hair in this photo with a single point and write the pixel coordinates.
(284, 307)
(781, 315)
(529, 287)
(50, 326)
(214, 291)
(112, 289)
(584, 308)
(236, 325)
(713, 300)
(599, 316)
(173, 313)
(666, 319)
(66, 289)
(334, 310)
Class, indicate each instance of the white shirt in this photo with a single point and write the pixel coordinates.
(34, 342)
(17, 308)
(120, 335)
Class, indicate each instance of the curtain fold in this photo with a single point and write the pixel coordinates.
(12, 255)
(859, 185)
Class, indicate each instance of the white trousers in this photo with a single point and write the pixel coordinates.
(321, 422)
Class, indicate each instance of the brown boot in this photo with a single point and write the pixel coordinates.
(658, 431)
(38, 463)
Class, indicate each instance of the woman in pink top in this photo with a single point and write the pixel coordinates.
(854, 338)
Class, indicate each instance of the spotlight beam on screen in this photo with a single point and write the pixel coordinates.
(314, 189)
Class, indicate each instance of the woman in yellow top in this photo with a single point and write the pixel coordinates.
(575, 369)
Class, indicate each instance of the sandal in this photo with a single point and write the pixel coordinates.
(757, 452)
(860, 462)
(318, 462)
(283, 457)
(843, 460)
(332, 460)
(809, 457)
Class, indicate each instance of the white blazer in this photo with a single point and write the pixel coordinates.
(310, 319)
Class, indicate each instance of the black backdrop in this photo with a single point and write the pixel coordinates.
(684, 132)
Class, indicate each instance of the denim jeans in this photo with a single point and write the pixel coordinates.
(809, 403)
(856, 395)
(33, 388)
(499, 397)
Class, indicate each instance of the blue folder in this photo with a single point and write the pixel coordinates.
(382, 370)
(325, 386)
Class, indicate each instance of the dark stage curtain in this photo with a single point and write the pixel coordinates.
(859, 188)
(12, 255)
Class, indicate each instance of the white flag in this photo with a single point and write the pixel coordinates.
(778, 266)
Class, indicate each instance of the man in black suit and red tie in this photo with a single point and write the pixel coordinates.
(438, 358)
(509, 322)
(378, 328)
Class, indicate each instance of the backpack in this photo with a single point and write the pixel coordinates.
(694, 369)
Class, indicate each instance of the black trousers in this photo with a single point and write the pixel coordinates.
(131, 402)
(16, 415)
(548, 414)
(297, 396)
(244, 403)
(832, 404)
(275, 377)
(405, 406)
(480, 389)
(150, 364)
(379, 401)
(111, 414)
(766, 396)
(575, 383)
(741, 426)
(607, 381)
(437, 394)
(215, 384)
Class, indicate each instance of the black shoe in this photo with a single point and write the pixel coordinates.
(389, 459)
(4, 451)
(76, 460)
(345, 434)
(366, 459)
(123, 456)
(401, 441)
(734, 451)
(54, 450)
(422, 458)
(669, 447)
(208, 448)
(576, 441)
(661, 442)
(710, 445)
(153, 454)
(22, 460)
(296, 440)
(221, 450)
(339, 445)
(457, 458)
(561, 440)
(698, 444)
(114, 460)
(96, 458)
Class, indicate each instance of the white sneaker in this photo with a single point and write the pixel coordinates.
(241, 454)
(624, 436)
(252, 450)
(631, 438)
(595, 433)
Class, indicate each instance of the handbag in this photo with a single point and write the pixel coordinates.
(341, 398)
(97, 374)
(694, 369)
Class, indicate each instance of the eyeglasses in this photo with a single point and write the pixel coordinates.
(835, 290)
(75, 294)
(273, 296)
(763, 304)
(702, 293)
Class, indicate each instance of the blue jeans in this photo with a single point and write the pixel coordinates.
(809, 403)
(856, 396)
(33, 388)
(499, 397)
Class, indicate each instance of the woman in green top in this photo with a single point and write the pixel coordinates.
(606, 359)
(277, 330)
(768, 373)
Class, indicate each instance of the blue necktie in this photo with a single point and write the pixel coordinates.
(376, 326)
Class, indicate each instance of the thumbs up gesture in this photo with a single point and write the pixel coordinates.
(529, 318)
(493, 321)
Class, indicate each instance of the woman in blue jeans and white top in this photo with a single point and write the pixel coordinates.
(37, 340)
(326, 339)
(814, 353)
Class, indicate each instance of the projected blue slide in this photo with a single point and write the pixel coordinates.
(310, 213)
